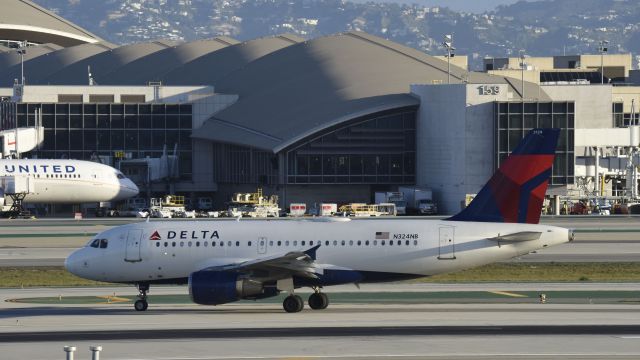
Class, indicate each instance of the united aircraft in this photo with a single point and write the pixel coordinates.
(65, 181)
(225, 261)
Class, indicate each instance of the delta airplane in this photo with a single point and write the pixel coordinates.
(68, 181)
(224, 261)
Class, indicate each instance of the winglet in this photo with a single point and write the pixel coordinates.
(312, 252)
(516, 191)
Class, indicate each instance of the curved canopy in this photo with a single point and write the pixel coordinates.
(23, 20)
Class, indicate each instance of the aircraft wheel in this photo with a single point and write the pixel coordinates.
(141, 305)
(318, 301)
(293, 304)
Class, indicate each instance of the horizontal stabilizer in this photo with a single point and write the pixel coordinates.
(519, 236)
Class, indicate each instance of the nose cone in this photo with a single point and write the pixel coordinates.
(73, 263)
(128, 189)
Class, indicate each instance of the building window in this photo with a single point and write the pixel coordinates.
(377, 149)
(514, 119)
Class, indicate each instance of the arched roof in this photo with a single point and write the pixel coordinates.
(105, 64)
(42, 66)
(23, 20)
(301, 89)
(211, 67)
(153, 66)
(11, 56)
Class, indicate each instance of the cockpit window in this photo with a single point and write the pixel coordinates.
(120, 176)
(104, 243)
(95, 243)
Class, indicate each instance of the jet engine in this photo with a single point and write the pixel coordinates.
(221, 287)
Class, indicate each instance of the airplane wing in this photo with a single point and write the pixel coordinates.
(298, 263)
(518, 237)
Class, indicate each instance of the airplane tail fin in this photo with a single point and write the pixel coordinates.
(515, 193)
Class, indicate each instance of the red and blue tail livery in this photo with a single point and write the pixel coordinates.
(516, 191)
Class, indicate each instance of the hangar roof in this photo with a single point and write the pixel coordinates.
(104, 64)
(42, 66)
(295, 92)
(23, 20)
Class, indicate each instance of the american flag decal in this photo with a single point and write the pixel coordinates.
(382, 235)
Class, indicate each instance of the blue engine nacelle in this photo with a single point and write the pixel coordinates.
(221, 287)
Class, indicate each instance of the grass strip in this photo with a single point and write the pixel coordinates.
(500, 272)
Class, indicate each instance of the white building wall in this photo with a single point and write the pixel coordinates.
(455, 143)
(592, 103)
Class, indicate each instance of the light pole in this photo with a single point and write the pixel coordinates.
(448, 44)
(603, 48)
(522, 67)
(22, 50)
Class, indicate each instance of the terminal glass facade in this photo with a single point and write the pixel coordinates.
(377, 149)
(88, 131)
(515, 119)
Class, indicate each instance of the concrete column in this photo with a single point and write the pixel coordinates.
(556, 204)
(95, 352)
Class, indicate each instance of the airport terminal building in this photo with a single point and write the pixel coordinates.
(331, 119)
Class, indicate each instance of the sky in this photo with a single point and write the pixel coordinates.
(476, 6)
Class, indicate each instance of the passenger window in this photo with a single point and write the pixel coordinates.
(375, 242)
(190, 243)
(407, 243)
(359, 242)
(335, 242)
(213, 244)
(95, 243)
(279, 243)
(382, 242)
(166, 244)
(181, 243)
(342, 242)
(237, 243)
(197, 243)
(366, 242)
(415, 242)
(350, 242)
(249, 244)
(157, 244)
(326, 243)
(295, 243)
(286, 243)
(271, 243)
(228, 243)
(205, 244)
(390, 242)
(221, 243)
(104, 243)
(173, 244)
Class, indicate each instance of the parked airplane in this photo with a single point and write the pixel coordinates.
(65, 181)
(225, 261)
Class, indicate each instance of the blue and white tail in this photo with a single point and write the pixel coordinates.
(516, 191)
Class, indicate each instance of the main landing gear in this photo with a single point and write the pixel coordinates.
(141, 304)
(317, 301)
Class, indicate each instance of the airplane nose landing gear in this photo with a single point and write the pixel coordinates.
(141, 304)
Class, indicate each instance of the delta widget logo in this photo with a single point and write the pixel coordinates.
(155, 236)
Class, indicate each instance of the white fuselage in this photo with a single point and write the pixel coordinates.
(65, 181)
(384, 246)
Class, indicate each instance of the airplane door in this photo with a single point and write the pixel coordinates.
(132, 252)
(447, 248)
(262, 245)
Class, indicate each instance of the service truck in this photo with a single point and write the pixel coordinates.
(419, 200)
(393, 197)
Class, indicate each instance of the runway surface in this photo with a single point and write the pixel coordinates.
(412, 322)
(343, 331)
(47, 242)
